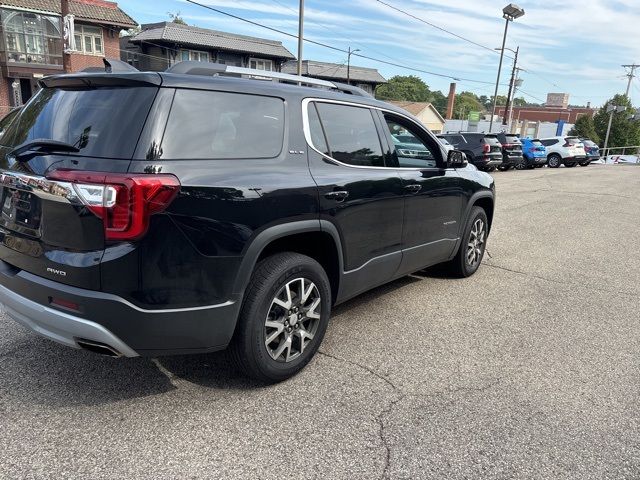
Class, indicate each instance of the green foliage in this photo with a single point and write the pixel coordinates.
(466, 102)
(176, 17)
(585, 127)
(410, 88)
(623, 130)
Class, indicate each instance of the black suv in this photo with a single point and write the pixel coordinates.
(511, 151)
(191, 210)
(482, 149)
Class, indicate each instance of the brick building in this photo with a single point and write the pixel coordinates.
(547, 114)
(31, 42)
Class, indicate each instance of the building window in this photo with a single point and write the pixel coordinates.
(261, 64)
(194, 55)
(32, 38)
(89, 40)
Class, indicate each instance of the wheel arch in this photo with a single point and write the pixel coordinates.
(316, 239)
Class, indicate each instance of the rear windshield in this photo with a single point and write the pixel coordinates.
(102, 122)
(573, 141)
(217, 125)
(537, 143)
(511, 139)
(491, 139)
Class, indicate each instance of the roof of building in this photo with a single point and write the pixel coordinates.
(414, 108)
(203, 37)
(334, 71)
(94, 11)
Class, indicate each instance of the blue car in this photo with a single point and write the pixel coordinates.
(534, 153)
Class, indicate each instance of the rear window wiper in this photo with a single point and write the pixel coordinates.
(41, 146)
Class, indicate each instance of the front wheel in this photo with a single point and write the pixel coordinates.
(472, 247)
(523, 165)
(283, 318)
(554, 161)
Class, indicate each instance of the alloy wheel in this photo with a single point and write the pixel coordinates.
(475, 247)
(292, 320)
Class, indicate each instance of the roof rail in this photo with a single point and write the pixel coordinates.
(206, 68)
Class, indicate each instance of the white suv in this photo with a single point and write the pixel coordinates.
(567, 150)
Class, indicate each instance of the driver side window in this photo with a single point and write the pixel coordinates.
(408, 147)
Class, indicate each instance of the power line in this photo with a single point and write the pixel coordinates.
(314, 42)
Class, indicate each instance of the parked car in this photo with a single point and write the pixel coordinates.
(482, 149)
(564, 150)
(534, 153)
(592, 150)
(511, 151)
(446, 144)
(220, 211)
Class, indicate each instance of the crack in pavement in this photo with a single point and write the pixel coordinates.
(561, 282)
(380, 418)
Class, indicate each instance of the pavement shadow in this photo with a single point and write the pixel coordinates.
(41, 372)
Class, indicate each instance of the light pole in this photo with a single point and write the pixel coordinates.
(300, 35)
(509, 13)
(351, 52)
(611, 109)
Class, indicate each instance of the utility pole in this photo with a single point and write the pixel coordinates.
(300, 35)
(631, 74)
(511, 86)
(66, 59)
(611, 109)
(516, 84)
(350, 52)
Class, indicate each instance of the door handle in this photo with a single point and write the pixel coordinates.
(338, 195)
(413, 188)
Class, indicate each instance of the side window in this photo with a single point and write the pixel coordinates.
(220, 125)
(315, 127)
(351, 134)
(409, 148)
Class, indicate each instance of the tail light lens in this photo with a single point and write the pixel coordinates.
(124, 202)
(486, 148)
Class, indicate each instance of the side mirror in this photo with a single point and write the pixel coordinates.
(456, 159)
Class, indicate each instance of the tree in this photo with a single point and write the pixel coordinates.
(176, 17)
(624, 131)
(408, 88)
(132, 32)
(466, 102)
(585, 128)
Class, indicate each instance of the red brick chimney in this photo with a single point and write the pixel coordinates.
(451, 100)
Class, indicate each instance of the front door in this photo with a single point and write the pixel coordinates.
(358, 192)
(433, 194)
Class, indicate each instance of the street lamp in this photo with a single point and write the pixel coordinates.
(351, 52)
(509, 13)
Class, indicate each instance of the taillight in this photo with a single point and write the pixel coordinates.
(486, 148)
(124, 202)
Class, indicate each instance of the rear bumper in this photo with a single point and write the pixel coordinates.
(487, 161)
(511, 159)
(111, 320)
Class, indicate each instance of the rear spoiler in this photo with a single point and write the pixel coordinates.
(114, 73)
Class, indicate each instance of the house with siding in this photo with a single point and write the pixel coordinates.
(31, 45)
(425, 112)
(160, 45)
(366, 78)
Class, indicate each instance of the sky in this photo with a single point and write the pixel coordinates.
(574, 46)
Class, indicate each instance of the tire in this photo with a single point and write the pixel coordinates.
(267, 301)
(504, 168)
(523, 165)
(539, 166)
(570, 165)
(554, 161)
(490, 169)
(585, 163)
(460, 266)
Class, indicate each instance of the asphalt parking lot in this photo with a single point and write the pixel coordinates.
(529, 369)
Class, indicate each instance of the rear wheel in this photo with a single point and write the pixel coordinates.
(283, 318)
(490, 169)
(585, 163)
(473, 245)
(523, 165)
(554, 160)
(504, 168)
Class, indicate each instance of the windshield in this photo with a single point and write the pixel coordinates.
(100, 122)
(536, 143)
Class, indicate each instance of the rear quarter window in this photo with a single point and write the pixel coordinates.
(221, 125)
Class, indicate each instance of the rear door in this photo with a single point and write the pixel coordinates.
(358, 192)
(44, 227)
